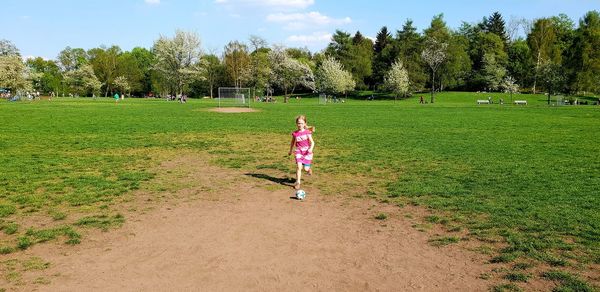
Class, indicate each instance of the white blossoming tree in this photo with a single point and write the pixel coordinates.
(288, 73)
(13, 74)
(509, 85)
(434, 55)
(331, 78)
(396, 80)
(178, 59)
(82, 80)
(122, 84)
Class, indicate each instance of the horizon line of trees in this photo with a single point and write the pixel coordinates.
(555, 56)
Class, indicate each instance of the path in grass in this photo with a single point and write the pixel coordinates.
(245, 232)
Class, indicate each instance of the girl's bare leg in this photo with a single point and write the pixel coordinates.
(298, 175)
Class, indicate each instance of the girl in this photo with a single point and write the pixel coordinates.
(302, 139)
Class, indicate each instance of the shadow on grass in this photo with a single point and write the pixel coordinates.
(286, 181)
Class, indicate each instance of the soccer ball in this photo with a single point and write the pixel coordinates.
(300, 194)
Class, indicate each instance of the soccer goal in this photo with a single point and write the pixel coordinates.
(322, 98)
(234, 96)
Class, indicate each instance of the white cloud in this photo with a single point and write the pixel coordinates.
(315, 37)
(152, 2)
(296, 4)
(298, 21)
(28, 57)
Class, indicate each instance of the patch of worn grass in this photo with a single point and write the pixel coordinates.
(568, 282)
(485, 276)
(444, 240)
(522, 266)
(10, 228)
(41, 281)
(517, 277)
(422, 227)
(103, 222)
(505, 258)
(35, 263)
(57, 215)
(33, 236)
(6, 249)
(13, 270)
(381, 216)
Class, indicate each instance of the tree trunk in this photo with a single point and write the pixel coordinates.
(432, 86)
(285, 96)
(537, 67)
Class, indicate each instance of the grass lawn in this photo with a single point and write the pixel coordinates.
(523, 177)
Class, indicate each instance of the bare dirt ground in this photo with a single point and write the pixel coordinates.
(233, 110)
(231, 231)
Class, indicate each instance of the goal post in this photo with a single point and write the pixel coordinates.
(322, 98)
(234, 97)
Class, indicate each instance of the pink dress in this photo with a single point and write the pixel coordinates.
(302, 146)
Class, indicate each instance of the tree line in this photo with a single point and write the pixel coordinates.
(551, 54)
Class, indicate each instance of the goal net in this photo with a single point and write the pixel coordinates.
(322, 98)
(234, 96)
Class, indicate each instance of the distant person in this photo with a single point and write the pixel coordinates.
(116, 97)
(304, 143)
(421, 99)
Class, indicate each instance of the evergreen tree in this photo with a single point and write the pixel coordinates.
(340, 48)
(496, 25)
(382, 57)
(409, 46)
(382, 40)
(438, 29)
(362, 59)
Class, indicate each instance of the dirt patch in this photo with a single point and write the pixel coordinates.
(233, 110)
(226, 230)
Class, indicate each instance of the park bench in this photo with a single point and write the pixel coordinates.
(524, 102)
(483, 101)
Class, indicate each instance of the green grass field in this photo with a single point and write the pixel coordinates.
(523, 177)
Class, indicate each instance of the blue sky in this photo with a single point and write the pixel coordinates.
(45, 27)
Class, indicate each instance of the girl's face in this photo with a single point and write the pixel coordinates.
(300, 124)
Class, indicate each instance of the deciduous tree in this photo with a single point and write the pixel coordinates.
(178, 59)
(331, 78)
(396, 80)
(237, 62)
(288, 73)
(434, 55)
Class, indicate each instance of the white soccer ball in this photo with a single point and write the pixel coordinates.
(300, 194)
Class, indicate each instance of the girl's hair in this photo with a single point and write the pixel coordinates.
(302, 117)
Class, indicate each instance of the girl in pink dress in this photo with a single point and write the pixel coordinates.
(302, 139)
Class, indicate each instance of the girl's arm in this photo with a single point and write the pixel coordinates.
(292, 145)
(312, 143)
